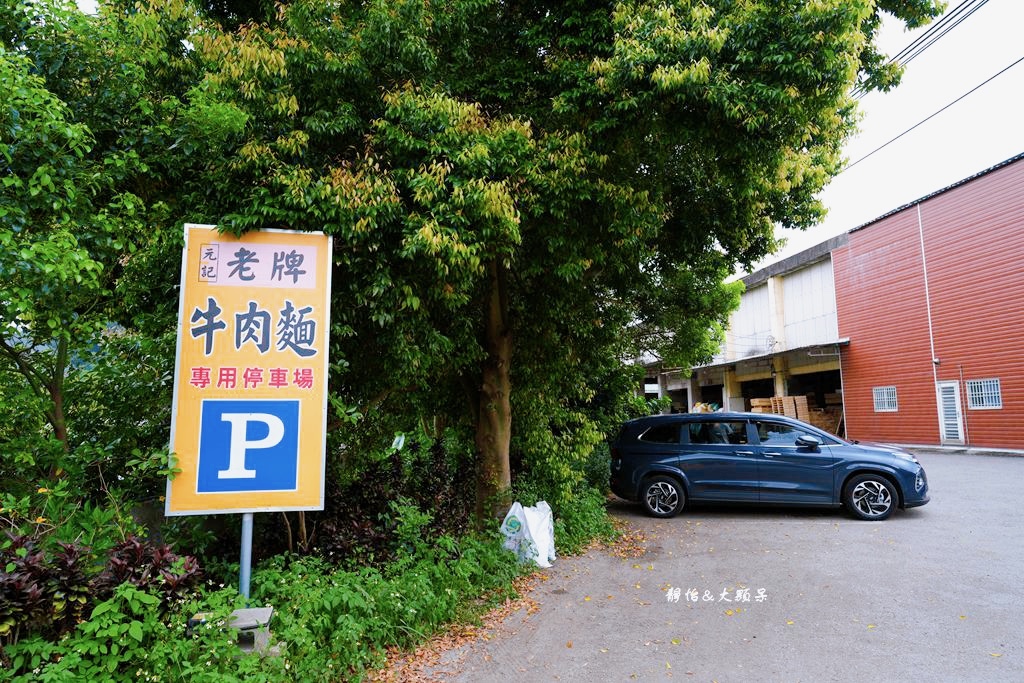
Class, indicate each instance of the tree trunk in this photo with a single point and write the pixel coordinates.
(494, 418)
(56, 389)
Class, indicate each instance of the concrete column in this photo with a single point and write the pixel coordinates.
(780, 370)
(777, 312)
(732, 394)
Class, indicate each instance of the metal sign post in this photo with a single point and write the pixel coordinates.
(245, 557)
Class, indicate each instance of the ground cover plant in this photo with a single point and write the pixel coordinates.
(329, 623)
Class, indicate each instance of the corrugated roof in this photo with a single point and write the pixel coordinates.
(818, 252)
(959, 183)
(822, 250)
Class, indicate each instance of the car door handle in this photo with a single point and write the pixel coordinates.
(744, 452)
(771, 455)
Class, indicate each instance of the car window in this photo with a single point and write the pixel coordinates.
(778, 434)
(663, 433)
(724, 432)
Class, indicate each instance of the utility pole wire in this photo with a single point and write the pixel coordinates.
(938, 30)
(931, 35)
(919, 123)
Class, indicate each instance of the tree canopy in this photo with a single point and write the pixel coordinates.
(523, 194)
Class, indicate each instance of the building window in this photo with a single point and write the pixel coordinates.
(984, 394)
(885, 399)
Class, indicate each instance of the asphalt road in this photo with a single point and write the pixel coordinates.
(933, 594)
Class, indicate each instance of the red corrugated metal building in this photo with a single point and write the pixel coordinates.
(931, 297)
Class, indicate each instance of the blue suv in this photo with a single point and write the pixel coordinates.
(663, 461)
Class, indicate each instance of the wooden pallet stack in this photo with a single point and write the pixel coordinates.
(798, 407)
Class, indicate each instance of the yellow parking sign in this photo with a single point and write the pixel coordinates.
(248, 423)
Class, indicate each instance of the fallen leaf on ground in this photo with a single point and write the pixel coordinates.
(630, 542)
(415, 666)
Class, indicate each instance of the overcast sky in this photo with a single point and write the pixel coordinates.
(978, 132)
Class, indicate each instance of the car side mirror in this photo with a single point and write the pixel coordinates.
(808, 441)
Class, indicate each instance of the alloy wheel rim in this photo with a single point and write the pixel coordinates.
(662, 498)
(872, 498)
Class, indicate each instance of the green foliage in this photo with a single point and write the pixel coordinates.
(86, 489)
(343, 620)
(45, 595)
(584, 520)
(329, 624)
(113, 644)
(520, 194)
(92, 108)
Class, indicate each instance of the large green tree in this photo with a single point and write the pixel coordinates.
(92, 111)
(522, 192)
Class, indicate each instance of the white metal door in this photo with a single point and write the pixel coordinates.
(951, 419)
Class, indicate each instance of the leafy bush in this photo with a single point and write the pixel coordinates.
(329, 623)
(584, 520)
(359, 523)
(45, 594)
(127, 638)
(597, 469)
(342, 621)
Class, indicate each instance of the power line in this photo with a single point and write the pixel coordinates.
(944, 25)
(926, 40)
(933, 115)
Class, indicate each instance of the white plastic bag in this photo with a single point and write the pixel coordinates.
(530, 533)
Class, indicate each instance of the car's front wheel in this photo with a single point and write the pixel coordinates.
(871, 497)
(663, 496)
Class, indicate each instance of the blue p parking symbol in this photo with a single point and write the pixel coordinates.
(248, 446)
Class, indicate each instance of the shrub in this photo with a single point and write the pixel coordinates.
(329, 623)
(45, 594)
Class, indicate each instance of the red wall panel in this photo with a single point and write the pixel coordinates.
(974, 244)
(970, 244)
(880, 298)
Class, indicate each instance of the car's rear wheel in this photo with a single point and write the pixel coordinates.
(663, 496)
(871, 497)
